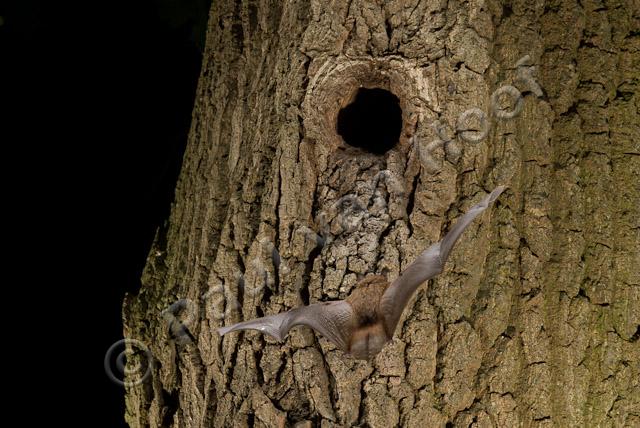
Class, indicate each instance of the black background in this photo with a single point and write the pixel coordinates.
(101, 95)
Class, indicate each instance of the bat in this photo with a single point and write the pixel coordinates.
(362, 323)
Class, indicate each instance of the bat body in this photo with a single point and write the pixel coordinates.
(362, 323)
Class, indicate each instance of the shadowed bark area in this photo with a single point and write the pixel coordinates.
(535, 320)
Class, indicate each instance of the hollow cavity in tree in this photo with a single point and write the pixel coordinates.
(372, 122)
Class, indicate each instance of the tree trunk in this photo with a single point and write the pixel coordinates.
(536, 318)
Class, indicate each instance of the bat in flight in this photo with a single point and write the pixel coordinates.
(361, 324)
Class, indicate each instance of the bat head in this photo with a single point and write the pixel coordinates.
(365, 297)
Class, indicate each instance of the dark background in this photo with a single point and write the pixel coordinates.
(103, 92)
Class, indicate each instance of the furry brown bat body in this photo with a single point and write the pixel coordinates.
(369, 334)
(362, 323)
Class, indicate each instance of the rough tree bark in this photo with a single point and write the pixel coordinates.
(535, 321)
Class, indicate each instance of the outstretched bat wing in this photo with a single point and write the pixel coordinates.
(428, 264)
(333, 320)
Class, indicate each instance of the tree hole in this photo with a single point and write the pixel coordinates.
(373, 121)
